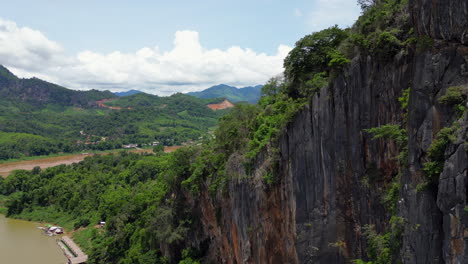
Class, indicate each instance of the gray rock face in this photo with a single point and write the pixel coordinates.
(451, 200)
(331, 159)
(332, 174)
(441, 19)
(329, 156)
(433, 72)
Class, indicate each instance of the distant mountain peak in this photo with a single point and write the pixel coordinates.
(249, 94)
(127, 93)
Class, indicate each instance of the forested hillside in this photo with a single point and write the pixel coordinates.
(31, 94)
(40, 118)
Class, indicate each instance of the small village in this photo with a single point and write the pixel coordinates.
(71, 251)
(51, 230)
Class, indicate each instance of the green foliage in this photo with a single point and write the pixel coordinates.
(382, 15)
(269, 178)
(158, 149)
(422, 186)
(267, 125)
(314, 53)
(272, 88)
(389, 131)
(235, 129)
(360, 261)
(163, 228)
(454, 95)
(53, 119)
(133, 193)
(436, 153)
(391, 196)
(383, 28)
(188, 258)
(83, 222)
(387, 44)
(404, 99)
(17, 145)
(314, 85)
(209, 163)
(170, 120)
(337, 59)
(84, 237)
(384, 248)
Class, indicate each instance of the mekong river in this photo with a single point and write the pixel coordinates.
(7, 168)
(22, 243)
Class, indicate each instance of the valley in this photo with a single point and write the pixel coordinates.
(51, 119)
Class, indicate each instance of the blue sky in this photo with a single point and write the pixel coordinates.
(155, 45)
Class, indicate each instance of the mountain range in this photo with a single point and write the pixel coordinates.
(40, 118)
(127, 93)
(38, 93)
(249, 94)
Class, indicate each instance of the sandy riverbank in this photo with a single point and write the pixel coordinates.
(7, 168)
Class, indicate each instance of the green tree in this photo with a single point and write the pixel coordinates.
(312, 54)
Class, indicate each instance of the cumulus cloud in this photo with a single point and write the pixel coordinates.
(25, 48)
(327, 13)
(186, 67)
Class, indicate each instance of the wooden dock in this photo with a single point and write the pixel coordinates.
(72, 251)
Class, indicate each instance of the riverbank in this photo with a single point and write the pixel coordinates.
(82, 236)
(55, 155)
(7, 167)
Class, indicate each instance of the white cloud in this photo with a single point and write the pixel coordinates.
(26, 48)
(186, 67)
(327, 13)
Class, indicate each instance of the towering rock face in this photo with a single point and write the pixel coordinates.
(335, 165)
(442, 20)
(332, 174)
(437, 226)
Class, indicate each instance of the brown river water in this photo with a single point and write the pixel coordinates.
(22, 243)
(6, 168)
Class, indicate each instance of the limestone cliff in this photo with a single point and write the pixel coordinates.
(333, 174)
